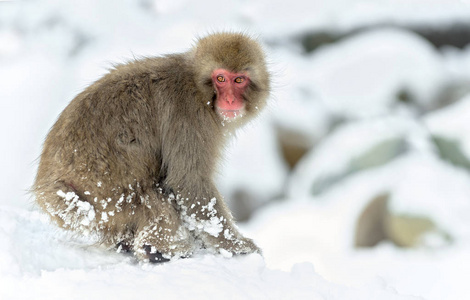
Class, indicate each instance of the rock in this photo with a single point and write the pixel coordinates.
(376, 224)
(450, 150)
(293, 146)
(408, 231)
(370, 228)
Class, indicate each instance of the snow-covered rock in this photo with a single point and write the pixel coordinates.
(364, 75)
(417, 183)
(452, 123)
(355, 147)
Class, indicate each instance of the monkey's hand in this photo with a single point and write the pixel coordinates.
(230, 242)
(213, 224)
(239, 246)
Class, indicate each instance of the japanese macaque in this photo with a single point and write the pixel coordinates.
(131, 158)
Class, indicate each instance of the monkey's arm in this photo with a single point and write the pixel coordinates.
(190, 165)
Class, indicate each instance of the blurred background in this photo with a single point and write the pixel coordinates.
(361, 162)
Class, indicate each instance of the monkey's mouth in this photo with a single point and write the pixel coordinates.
(231, 114)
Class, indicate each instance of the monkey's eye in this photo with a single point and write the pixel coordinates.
(220, 78)
(239, 79)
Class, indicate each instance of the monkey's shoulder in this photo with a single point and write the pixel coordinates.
(162, 73)
(153, 66)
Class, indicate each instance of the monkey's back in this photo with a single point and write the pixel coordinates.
(107, 141)
(101, 131)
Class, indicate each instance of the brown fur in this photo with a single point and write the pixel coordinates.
(132, 157)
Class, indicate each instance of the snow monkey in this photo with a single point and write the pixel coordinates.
(131, 159)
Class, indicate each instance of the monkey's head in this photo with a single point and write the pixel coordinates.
(231, 71)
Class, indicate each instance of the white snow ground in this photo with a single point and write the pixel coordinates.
(50, 50)
(39, 261)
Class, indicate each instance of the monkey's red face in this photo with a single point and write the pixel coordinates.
(230, 88)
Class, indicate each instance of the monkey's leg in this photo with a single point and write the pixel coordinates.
(161, 235)
(68, 207)
(97, 212)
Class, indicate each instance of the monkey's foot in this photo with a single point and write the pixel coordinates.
(162, 252)
(123, 247)
(153, 255)
(147, 252)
